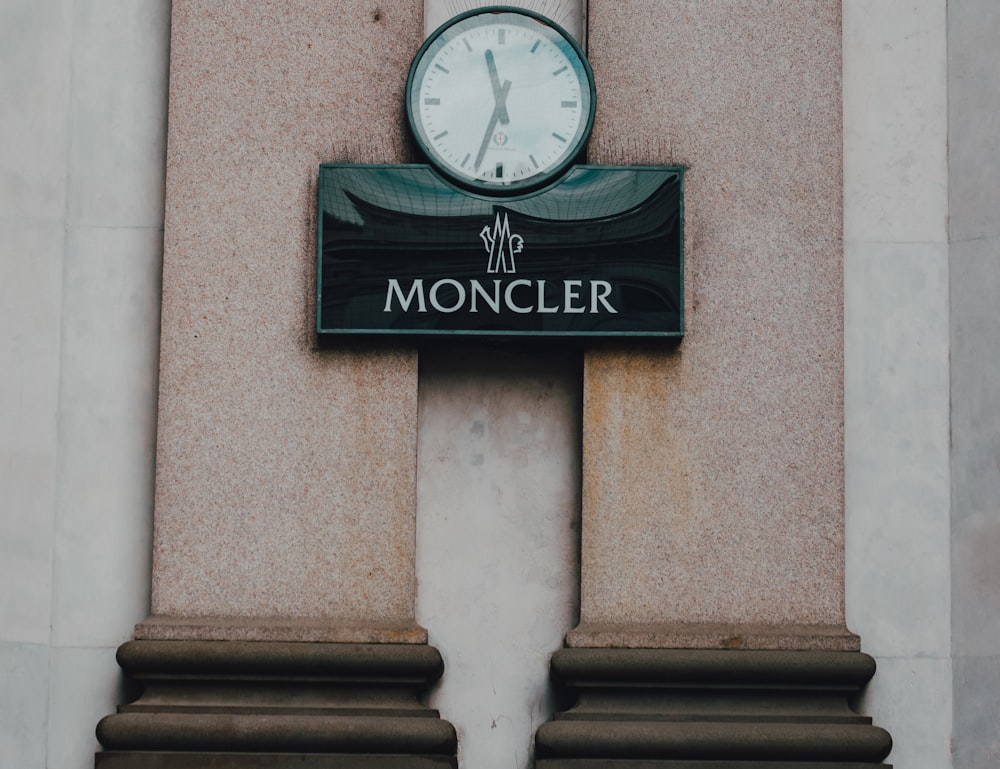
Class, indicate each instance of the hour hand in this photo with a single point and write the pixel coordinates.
(499, 93)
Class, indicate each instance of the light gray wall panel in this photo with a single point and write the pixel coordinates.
(81, 207)
(897, 484)
(24, 705)
(977, 681)
(974, 111)
(498, 524)
(35, 45)
(974, 146)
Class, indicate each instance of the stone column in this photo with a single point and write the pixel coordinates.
(285, 478)
(712, 588)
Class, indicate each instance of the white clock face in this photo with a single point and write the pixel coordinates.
(500, 101)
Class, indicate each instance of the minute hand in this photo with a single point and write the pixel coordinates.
(494, 119)
(501, 99)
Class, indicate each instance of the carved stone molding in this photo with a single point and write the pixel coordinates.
(261, 705)
(710, 709)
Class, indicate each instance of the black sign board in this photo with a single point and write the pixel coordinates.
(402, 252)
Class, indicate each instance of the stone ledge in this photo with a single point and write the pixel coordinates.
(715, 740)
(158, 760)
(835, 638)
(610, 763)
(283, 629)
(147, 660)
(254, 733)
(673, 668)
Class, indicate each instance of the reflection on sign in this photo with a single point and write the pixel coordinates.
(402, 252)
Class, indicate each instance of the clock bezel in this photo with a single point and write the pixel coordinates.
(487, 186)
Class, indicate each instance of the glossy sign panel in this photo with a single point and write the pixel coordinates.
(402, 252)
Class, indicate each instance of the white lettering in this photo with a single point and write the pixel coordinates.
(474, 292)
(492, 301)
(541, 299)
(434, 295)
(404, 302)
(572, 292)
(509, 296)
(599, 291)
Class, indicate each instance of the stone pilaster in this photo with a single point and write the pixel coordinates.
(282, 624)
(712, 628)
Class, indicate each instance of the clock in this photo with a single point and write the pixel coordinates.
(500, 100)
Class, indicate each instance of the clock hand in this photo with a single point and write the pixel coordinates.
(494, 119)
(491, 65)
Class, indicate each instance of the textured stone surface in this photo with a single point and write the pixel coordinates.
(285, 476)
(81, 209)
(204, 700)
(897, 392)
(151, 760)
(569, 14)
(693, 635)
(974, 279)
(290, 629)
(498, 538)
(723, 708)
(713, 473)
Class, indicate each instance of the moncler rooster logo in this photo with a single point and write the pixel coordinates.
(501, 245)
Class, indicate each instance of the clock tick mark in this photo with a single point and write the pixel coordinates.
(560, 138)
(535, 46)
(447, 71)
(441, 135)
(559, 71)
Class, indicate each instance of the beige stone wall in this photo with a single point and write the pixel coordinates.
(285, 474)
(713, 474)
